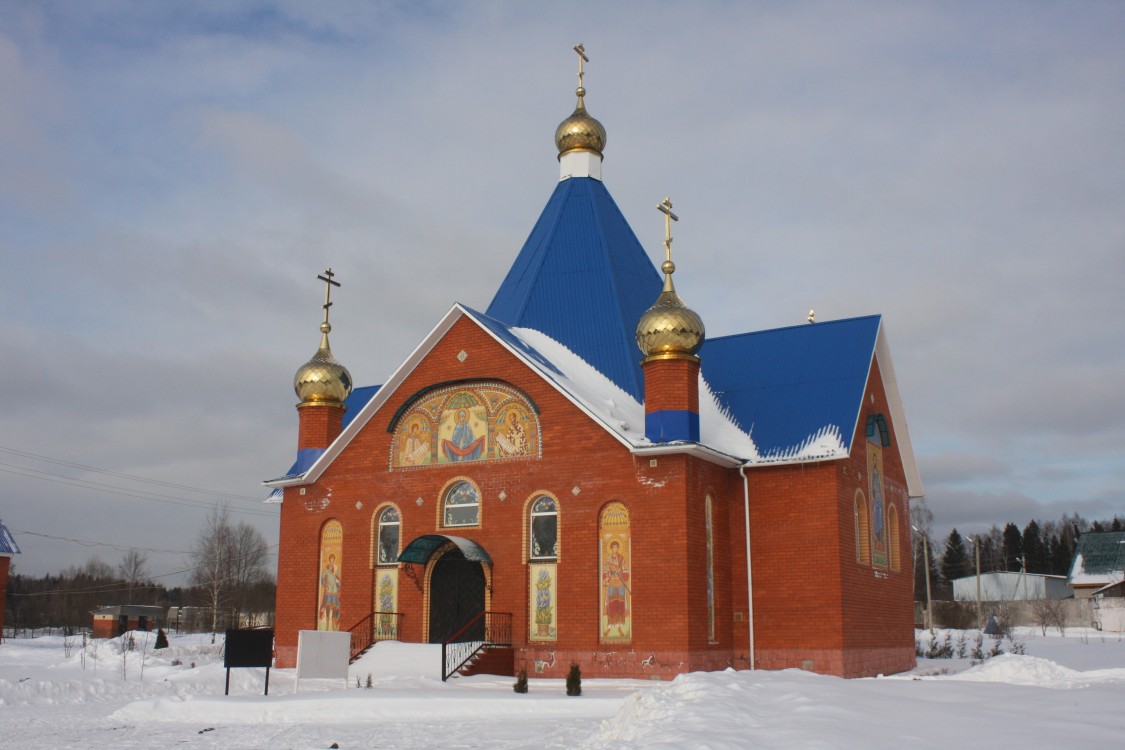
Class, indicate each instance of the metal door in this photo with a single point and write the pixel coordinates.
(456, 596)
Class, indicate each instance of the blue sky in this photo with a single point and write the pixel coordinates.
(174, 176)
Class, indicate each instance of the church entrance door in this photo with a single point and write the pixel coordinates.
(456, 596)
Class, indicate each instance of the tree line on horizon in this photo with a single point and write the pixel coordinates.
(1041, 547)
(230, 577)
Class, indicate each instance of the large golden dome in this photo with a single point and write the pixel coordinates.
(669, 327)
(322, 381)
(580, 131)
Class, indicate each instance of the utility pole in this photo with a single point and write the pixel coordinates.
(926, 563)
(929, 601)
(976, 541)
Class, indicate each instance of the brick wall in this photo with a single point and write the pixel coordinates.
(809, 594)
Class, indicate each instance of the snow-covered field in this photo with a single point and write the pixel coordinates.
(1065, 692)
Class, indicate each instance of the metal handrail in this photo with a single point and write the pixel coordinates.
(377, 626)
(455, 654)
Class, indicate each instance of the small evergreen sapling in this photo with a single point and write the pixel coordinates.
(521, 681)
(574, 680)
(978, 648)
(161, 639)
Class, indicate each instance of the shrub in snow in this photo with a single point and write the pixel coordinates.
(978, 648)
(940, 649)
(996, 650)
(574, 680)
(521, 681)
(961, 646)
(161, 639)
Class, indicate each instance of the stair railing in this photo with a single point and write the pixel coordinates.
(455, 653)
(377, 626)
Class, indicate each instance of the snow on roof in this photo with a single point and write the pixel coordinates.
(620, 412)
(1099, 559)
(722, 438)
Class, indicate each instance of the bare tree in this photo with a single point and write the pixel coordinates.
(229, 560)
(209, 555)
(1048, 613)
(133, 569)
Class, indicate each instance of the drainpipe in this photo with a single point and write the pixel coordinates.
(749, 577)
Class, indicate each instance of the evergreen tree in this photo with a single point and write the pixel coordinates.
(1011, 549)
(987, 555)
(1034, 549)
(1116, 525)
(955, 561)
(1060, 556)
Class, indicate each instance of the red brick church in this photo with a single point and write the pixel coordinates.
(580, 474)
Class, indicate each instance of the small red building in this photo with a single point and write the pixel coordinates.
(110, 622)
(637, 498)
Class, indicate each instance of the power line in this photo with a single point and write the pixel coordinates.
(133, 477)
(88, 543)
(121, 491)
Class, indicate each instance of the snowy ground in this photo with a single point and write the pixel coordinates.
(1064, 692)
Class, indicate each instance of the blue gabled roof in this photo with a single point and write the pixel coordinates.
(583, 279)
(8, 544)
(787, 384)
(306, 457)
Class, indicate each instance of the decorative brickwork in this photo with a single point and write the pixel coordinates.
(816, 604)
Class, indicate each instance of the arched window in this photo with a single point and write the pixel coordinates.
(389, 523)
(544, 536)
(892, 538)
(461, 505)
(877, 431)
(862, 552)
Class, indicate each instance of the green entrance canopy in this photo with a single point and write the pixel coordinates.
(420, 550)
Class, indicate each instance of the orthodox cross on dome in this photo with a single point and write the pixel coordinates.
(326, 277)
(581, 52)
(666, 208)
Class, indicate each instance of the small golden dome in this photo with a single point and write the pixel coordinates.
(322, 381)
(669, 326)
(580, 131)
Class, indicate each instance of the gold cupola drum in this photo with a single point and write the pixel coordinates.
(580, 138)
(322, 384)
(669, 328)
(669, 334)
(322, 381)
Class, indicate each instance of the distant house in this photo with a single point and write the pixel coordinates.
(1010, 587)
(110, 622)
(1099, 565)
(8, 547)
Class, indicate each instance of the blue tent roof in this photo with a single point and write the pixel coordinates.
(583, 279)
(786, 384)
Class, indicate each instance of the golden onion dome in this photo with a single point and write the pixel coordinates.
(322, 381)
(670, 327)
(580, 131)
